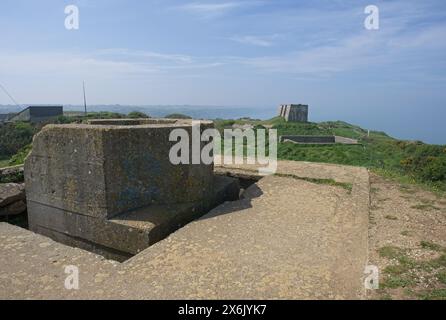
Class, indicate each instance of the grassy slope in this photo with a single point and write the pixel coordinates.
(406, 161)
(377, 151)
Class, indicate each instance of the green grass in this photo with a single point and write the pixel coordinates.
(412, 163)
(354, 155)
(15, 178)
(434, 264)
(400, 275)
(397, 282)
(376, 152)
(16, 159)
(19, 157)
(392, 252)
(431, 246)
(4, 163)
(307, 129)
(408, 273)
(437, 294)
(441, 276)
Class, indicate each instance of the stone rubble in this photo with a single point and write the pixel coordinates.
(12, 199)
(11, 174)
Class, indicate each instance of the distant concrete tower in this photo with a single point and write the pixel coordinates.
(294, 112)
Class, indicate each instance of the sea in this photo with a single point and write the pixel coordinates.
(425, 127)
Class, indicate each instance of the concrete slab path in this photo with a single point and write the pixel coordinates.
(287, 239)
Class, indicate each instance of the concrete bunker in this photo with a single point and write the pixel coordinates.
(108, 186)
(294, 112)
(317, 139)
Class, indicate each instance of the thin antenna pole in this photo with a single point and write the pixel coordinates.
(85, 99)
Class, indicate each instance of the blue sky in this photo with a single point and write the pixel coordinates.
(236, 53)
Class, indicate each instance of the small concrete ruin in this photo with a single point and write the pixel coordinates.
(299, 139)
(36, 114)
(109, 187)
(294, 112)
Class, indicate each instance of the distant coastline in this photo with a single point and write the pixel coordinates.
(195, 111)
(431, 131)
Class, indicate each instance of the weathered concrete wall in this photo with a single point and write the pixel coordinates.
(130, 122)
(139, 172)
(309, 139)
(317, 139)
(111, 183)
(38, 113)
(104, 170)
(65, 169)
(345, 140)
(25, 115)
(294, 112)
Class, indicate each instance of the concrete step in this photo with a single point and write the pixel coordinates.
(129, 233)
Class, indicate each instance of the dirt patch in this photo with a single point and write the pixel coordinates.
(407, 241)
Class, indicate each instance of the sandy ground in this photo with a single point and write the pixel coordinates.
(407, 241)
(288, 238)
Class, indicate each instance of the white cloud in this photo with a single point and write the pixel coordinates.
(49, 64)
(261, 41)
(100, 64)
(321, 61)
(209, 7)
(209, 10)
(429, 37)
(148, 55)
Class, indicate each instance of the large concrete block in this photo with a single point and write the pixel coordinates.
(111, 184)
(104, 169)
(66, 169)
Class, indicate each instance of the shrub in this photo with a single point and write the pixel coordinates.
(19, 157)
(14, 136)
(426, 163)
(177, 116)
(137, 115)
(63, 120)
